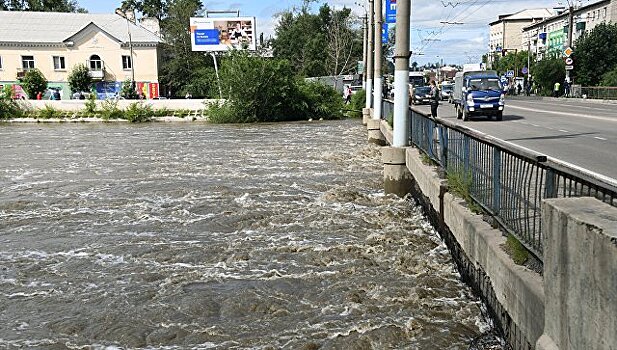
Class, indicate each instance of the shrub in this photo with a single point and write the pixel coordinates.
(516, 250)
(547, 72)
(34, 82)
(610, 78)
(110, 110)
(8, 107)
(79, 78)
(358, 102)
(138, 112)
(162, 112)
(260, 89)
(49, 112)
(90, 106)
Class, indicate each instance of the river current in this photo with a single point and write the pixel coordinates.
(198, 236)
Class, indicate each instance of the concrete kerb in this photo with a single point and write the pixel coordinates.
(397, 178)
(366, 115)
(374, 132)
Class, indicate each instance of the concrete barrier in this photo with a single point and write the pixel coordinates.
(580, 272)
(77, 105)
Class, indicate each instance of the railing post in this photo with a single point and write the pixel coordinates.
(429, 137)
(496, 181)
(443, 139)
(466, 151)
(550, 184)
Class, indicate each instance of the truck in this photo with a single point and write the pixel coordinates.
(478, 93)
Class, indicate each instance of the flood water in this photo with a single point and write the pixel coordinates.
(197, 236)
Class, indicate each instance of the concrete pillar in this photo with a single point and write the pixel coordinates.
(401, 75)
(374, 132)
(396, 176)
(369, 55)
(366, 115)
(580, 274)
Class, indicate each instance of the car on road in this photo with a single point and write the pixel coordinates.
(355, 88)
(446, 91)
(421, 95)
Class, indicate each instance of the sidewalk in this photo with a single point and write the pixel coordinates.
(547, 98)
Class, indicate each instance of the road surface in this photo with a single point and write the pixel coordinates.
(581, 133)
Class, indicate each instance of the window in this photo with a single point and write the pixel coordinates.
(127, 62)
(95, 62)
(604, 13)
(0, 62)
(59, 63)
(27, 62)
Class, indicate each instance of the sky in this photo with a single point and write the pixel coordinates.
(431, 40)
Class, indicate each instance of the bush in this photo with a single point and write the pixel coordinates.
(358, 102)
(90, 106)
(8, 107)
(266, 90)
(49, 112)
(138, 112)
(547, 72)
(610, 78)
(34, 82)
(163, 112)
(79, 78)
(110, 110)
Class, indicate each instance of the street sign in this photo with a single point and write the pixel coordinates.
(390, 11)
(524, 70)
(569, 61)
(569, 67)
(568, 51)
(510, 74)
(384, 33)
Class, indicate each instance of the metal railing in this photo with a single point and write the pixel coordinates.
(507, 181)
(597, 92)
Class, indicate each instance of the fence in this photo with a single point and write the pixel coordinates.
(508, 182)
(599, 93)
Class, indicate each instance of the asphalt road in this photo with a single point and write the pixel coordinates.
(581, 133)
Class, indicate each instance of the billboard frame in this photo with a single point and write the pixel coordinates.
(222, 34)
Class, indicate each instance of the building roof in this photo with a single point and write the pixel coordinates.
(530, 14)
(55, 27)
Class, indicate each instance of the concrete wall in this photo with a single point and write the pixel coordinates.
(76, 105)
(580, 271)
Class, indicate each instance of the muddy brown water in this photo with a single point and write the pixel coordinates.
(197, 236)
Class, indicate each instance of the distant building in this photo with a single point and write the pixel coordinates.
(506, 32)
(55, 42)
(548, 38)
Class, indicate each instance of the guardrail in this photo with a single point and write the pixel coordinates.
(507, 181)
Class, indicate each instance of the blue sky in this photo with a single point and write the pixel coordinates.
(457, 44)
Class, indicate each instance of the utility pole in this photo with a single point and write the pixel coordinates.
(378, 89)
(401, 75)
(528, 59)
(364, 49)
(570, 33)
(369, 56)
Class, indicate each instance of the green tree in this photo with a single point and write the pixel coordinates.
(8, 107)
(547, 72)
(511, 61)
(79, 78)
(180, 63)
(149, 8)
(326, 43)
(610, 78)
(128, 90)
(595, 54)
(34, 82)
(41, 5)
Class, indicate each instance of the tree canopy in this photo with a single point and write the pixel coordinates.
(41, 5)
(325, 43)
(595, 54)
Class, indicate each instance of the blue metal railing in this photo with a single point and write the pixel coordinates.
(508, 182)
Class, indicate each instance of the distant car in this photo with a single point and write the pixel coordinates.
(159, 98)
(77, 95)
(446, 91)
(421, 95)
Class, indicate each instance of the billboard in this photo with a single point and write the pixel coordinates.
(390, 11)
(222, 34)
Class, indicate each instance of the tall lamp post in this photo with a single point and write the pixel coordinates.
(121, 13)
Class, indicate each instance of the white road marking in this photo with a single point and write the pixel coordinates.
(608, 119)
(599, 138)
(563, 130)
(536, 125)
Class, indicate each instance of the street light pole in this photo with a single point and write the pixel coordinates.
(364, 48)
(378, 89)
(570, 33)
(401, 75)
(369, 56)
(121, 13)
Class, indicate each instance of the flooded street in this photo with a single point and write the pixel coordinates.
(197, 236)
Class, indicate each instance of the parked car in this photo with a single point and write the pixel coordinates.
(355, 88)
(421, 95)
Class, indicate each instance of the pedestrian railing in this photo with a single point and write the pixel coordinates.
(596, 92)
(507, 181)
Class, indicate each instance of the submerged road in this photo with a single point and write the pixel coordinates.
(578, 132)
